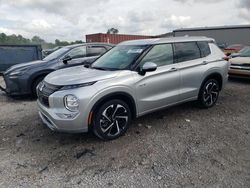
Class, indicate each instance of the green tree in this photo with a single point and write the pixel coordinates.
(37, 40)
(3, 38)
(112, 31)
(19, 39)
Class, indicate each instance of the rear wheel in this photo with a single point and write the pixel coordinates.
(111, 119)
(209, 93)
(35, 84)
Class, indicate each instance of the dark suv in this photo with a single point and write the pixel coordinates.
(23, 79)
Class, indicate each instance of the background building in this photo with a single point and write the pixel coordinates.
(113, 38)
(222, 34)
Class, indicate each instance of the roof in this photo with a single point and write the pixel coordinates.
(214, 28)
(119, 34)
(165, 40)
(91, 43)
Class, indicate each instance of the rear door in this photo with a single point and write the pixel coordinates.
(191, 58)
(160, 88)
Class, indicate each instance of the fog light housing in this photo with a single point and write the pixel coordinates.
(66, 116)
(71, 103)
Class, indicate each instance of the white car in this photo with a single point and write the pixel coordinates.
(240, 66)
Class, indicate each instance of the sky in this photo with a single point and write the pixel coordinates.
(72, 19)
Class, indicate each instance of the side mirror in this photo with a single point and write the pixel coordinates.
(66, 59)
(86, 65)
(148, 67)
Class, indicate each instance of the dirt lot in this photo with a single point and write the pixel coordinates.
(182, 146)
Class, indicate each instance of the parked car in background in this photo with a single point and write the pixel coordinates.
(240, 66)
(222, 46)
(131, 80)
(15, 54)
(243, 52)
(235, 48)
(23, 79)
(46, 52)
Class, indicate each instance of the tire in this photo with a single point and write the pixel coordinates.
(111, 119)
(209, 93)
(35, 84)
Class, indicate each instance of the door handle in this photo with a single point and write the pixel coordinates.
(173, 69)
(204, 63)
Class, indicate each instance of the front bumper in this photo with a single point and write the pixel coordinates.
(239, 71)
(15, 85)
(50, 118)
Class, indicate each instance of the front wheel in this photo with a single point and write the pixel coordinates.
(209, 93)
(111, 120)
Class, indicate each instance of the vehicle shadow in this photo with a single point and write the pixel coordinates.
(239, 80)
(149, 119)
(23, 98)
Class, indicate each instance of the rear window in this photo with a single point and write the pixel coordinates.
(186, 51)
(204, 48)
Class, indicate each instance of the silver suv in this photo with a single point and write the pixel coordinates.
(133, 79)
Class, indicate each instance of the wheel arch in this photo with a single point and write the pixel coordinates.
(36, 76)
(117, 95)
(217, 76)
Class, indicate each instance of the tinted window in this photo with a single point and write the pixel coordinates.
(204, 48)
(96, 50)
(160, 55)
(78, 52)
(56, 54)
(186, 51)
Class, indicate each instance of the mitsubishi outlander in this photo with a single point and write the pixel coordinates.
(132, 79)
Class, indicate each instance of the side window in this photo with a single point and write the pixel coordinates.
(204, 47)
(161, 55)
(186, 51)
(78, 52)
(96, 50)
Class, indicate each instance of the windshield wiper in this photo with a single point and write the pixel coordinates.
(104, 68)
(100, 68)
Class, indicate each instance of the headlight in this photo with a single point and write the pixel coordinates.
(71, 103)
(77, 86)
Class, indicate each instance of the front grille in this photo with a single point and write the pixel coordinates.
(44, 91)
(241, 65)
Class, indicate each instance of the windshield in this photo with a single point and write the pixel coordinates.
(119, 58)
(245, 52)
(56, 54)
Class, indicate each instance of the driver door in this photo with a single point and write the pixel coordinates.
(160, 88)
(77, 57)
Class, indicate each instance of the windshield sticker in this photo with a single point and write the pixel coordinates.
(135, 51)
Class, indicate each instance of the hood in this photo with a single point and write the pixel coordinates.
(25, 65)
(240, 60)
(78, 75)
(235, 55)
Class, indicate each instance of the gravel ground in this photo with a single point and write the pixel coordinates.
(182, 146)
